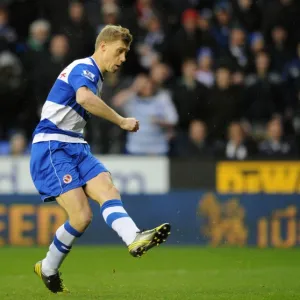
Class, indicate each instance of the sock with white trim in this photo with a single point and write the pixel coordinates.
(59, 249)
(117, 218)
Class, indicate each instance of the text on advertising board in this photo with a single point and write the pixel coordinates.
(258, 177)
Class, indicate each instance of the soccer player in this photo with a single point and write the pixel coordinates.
(62, 166)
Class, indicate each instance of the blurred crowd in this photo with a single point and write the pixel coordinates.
(205, 78)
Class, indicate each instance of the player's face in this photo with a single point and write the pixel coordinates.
(115, 55)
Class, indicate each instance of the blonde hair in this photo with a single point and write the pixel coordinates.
(112, 33)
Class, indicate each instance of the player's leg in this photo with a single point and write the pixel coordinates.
(102, 190)
(54, 171)
(76, 205)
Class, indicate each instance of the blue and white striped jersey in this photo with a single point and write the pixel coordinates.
(63, 119)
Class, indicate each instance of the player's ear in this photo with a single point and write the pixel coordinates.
(103, 46)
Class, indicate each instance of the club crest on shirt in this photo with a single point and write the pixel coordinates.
(67, 179)
(89, 75)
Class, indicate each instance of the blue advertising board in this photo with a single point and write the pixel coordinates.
(197, 218)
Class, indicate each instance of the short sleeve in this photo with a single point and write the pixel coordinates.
(83, 75)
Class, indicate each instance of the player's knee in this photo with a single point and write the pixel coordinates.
(82, 219)
(86, 217)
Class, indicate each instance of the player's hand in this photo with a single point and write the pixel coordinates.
(130, 124)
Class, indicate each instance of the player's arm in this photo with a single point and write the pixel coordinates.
(82, 79)
(93, 104)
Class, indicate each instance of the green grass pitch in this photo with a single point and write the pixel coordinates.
(166, 273)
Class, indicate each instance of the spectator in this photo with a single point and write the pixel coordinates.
(186, 41)
(11, 88)
(145, 11)
(291, 76)
(156, 115)
(205, 27)
(189, 96)
(39, 33)
(49, 68)
(195, 144)
(155, 35)
(224, 104)
(279, 52)
(248, 14)
(205, 74)
(36, 48)
(18, 144)
(263, 94)
(296, 112)
(160, 74)
(275, 143)
(256, 45)
(6, 31)
(236, 54)
(284, 12)
(79, 32)
(221, 30)
(238, 146)
(109, 13)
(237, 79)
(151, 46)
